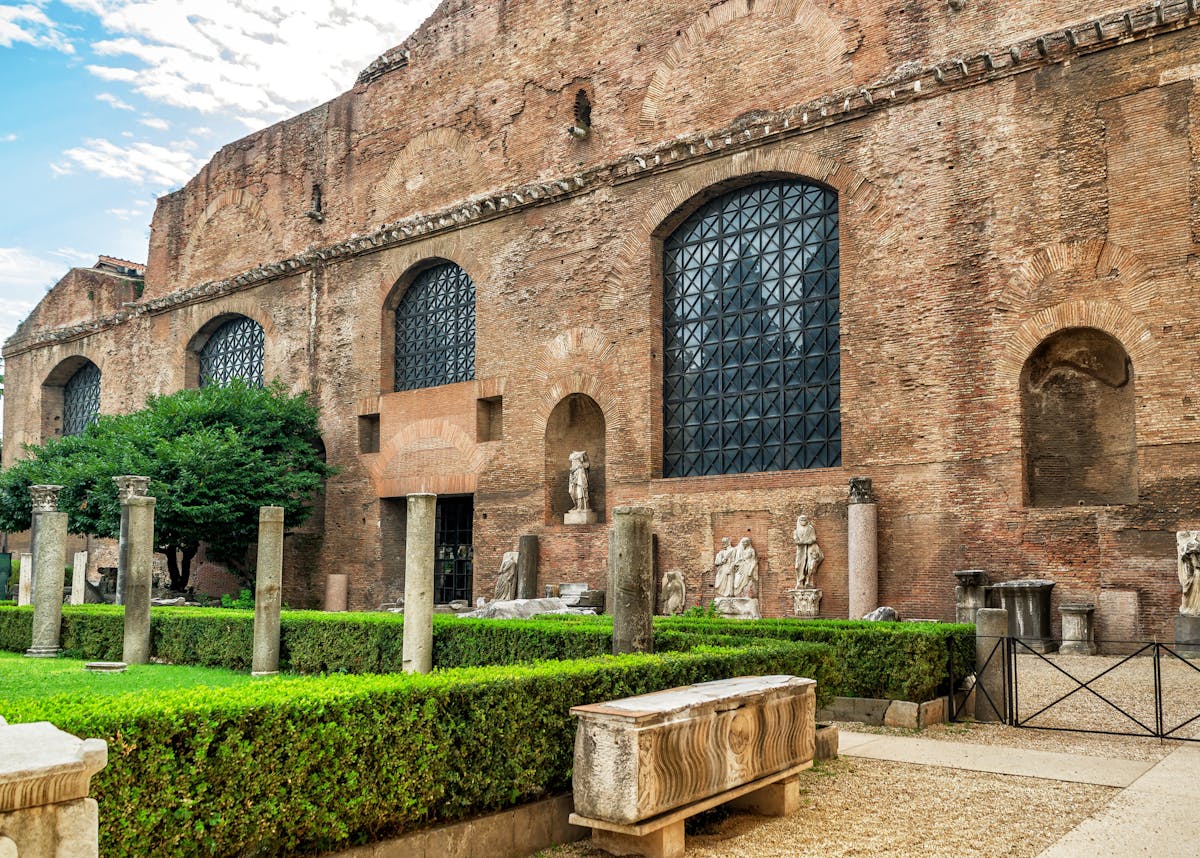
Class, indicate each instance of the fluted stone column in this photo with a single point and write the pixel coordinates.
(631, 561)
(25, 581)
(128, 486)
(138, 579)
(79, 578)
(51, 558)
(418, 583)
(991, 628)
(268, 582)
(527, 566)
(862, 549)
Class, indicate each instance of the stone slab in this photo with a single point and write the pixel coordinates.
(580, 517)
(41, 764)
(865, 710)
(826, 747)
(1187, 636)
(1072, 768)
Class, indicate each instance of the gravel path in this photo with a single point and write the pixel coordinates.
(870, 808)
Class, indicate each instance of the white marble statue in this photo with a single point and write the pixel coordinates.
(674, 593)
(745, 569)
(808, 553)
(1188, 544)
(723, 563)
(578, 481)
(506, 580)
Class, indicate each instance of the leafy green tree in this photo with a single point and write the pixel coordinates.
(213, 456)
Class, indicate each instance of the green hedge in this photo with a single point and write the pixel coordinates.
(903, 661)
(306, 764)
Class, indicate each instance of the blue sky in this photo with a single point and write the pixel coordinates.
(107, 104)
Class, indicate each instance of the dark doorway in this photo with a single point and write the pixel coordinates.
(454, 553)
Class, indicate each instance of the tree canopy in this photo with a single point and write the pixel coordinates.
(214, 455)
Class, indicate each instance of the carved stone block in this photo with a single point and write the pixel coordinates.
(735, 608)
(643, 756)
(806, 602)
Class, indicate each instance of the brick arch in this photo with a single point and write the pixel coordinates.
(65, 369)
(793, 162)
(803, 13)
(404, 261)
(418, 435)
(412, 161)
(1112, 319)
(1102, 260)
(217, 313)
(247, 208)
(577, 361)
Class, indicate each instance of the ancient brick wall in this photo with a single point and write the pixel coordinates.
(988, 198)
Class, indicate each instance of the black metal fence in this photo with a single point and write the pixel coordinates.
(1151, 690)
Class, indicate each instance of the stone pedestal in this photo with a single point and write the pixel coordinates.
(575, 516)
(1187, 636)
(1078, 630)
(806, 602)
(969, 594)
(139, 577)
(267, 583)
(1028, 606)
(25, 581)
(527, 566)
(337, 585)
(47, 601)
(737, 608)
(418, 583)
(862, 552)
(79, 578)
(631, 566)
(44, 779)
(991, 628)
(128, 486)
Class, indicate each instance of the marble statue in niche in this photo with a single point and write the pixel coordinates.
(808, 553)
(577, 484)
(723, 563)
(745, 569)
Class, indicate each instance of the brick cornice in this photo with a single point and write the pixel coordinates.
(903, 85)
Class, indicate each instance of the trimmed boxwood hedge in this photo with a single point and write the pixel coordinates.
(307, 764)
(901, 661)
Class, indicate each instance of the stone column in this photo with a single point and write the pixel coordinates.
(991, 627)
(128, 486)
(138, 578)
(25, 581)
(45, 775)
(1078, 630)
(51, 558)
(969, 594)
(631, 561)
(862, 553)
(268, 581)
(418, 583)
(336, 586)
(79, 578)
(527, 567)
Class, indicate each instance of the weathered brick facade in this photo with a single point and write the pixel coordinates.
(1004, 172)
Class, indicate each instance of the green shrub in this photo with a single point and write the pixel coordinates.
(243, 602)
(307, 764)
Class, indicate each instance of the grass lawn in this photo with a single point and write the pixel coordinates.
(35, 683)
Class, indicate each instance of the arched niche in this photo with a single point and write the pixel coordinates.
(576, 423)
(228, 346)
(70, 397)
(1078, 421)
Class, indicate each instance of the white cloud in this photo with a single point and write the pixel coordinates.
(138, 162)
(136, 210)
(114, 102)
(21, 271)
(155, 123)
(8, 138)
(258, 62)
(28, 24)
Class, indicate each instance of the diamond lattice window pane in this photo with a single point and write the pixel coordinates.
(81, 399)
(750, 316)
(235, 350)
(435, 329)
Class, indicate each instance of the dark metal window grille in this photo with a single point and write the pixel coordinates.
(453, 550)
(750, 334)
(235, 350)
(81, 399)
(435, 329)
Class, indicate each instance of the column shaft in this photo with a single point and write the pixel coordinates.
(138, 579)
(267, 596)
(51, 558)
(631, 565)
(418, 583)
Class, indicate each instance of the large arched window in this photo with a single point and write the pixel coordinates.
(435, 329)
(81, 399)
(750, 333)
(234, 350)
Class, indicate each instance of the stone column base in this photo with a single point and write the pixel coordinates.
(578, 516)
(1187, 636)
(43, 652)
(737, 608)
(806, 602)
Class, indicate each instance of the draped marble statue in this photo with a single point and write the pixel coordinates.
(1188, 543)
(723, 563)
(674, 593)
(506, 580)
(808, 554)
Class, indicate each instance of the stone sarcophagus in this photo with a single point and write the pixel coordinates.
(642, 756)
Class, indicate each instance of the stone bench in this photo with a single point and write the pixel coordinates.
(645, 764)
